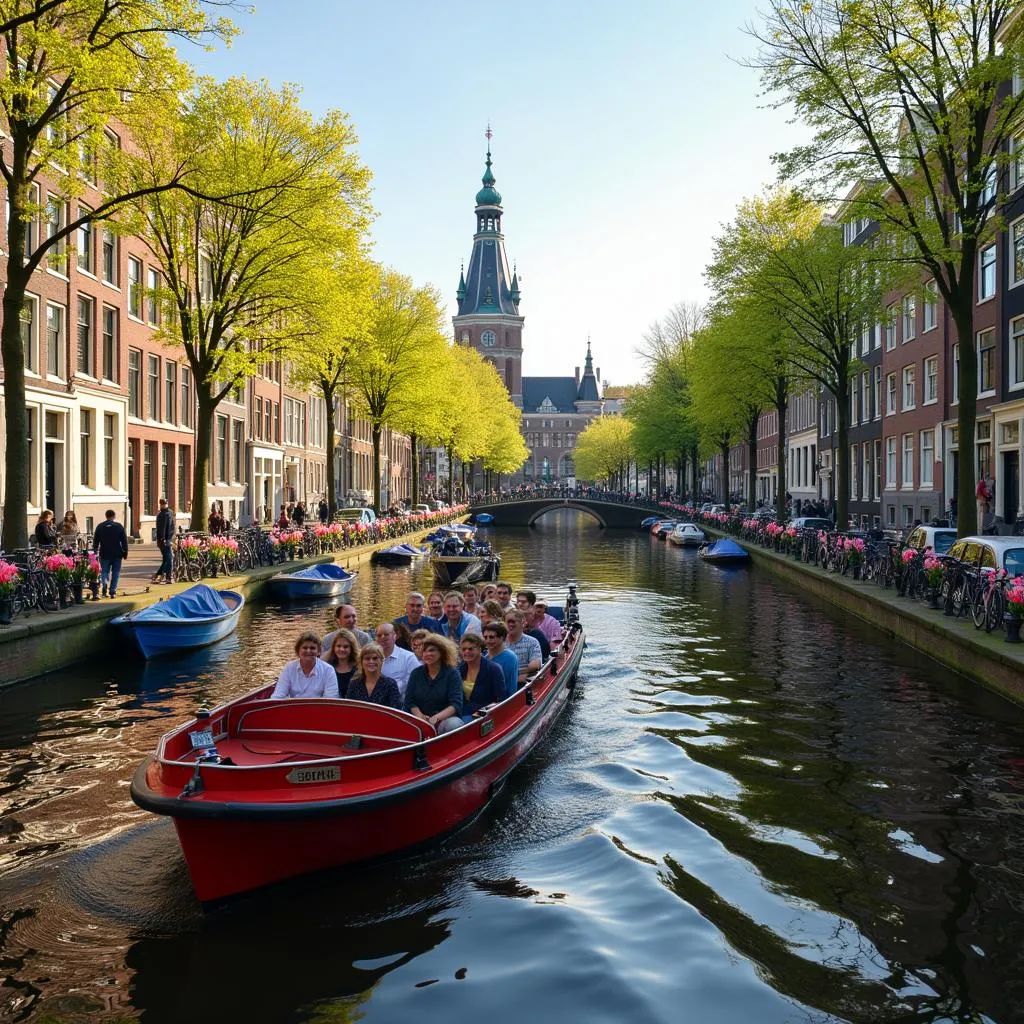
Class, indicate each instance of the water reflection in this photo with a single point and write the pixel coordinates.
(755, 808)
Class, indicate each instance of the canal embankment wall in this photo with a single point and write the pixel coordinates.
(984, 658)
(42, 642)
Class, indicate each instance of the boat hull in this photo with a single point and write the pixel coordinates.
(156, 638)
(236, 846)
(449, 569)
(298, 589)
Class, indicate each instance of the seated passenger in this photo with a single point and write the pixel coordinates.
(369, 684)
(498, 654)
(547, 624)
(416, 643)
(487, 592)
(307, 676)
(483, 682)
(471, 600)
(456, 621)
(414, 617)
(435, 688)
(525, 648)
(491, 611)
(345, 618)
(503, 595)
(435, 605)
(343, 657)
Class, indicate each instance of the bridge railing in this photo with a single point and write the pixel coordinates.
(568, 493)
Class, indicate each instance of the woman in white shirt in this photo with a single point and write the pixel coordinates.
(307, 676)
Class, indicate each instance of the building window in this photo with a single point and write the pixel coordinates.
(908, 515)
(909, 317)
(108, 256)
(54, 340)
(1016, 164)
(865, 396)
(927, 457)
(890, 515)
(222, 449)
(109, 425)
(135, 287)
(109, 343)
(890, 327)
(148, 458)
(877, 392)
(170, 390)
(135, 383)
(84, 242)
(153, 381)
(186, 397)
(1017, 252)
(854, 449)
(853, 402)
(152, 305)
(986, 273)
(56, 219)
(85, 419)
(1017, 352)
(931, 305)
(908, 461)
(237, 427)
(166, 458)
(86, 359)
(183, 455)
(28, 333)
(986, 362)
(931, 380)
(956, 376)
(488, 339)
(909, 388)
(890, 462)
(878, 469)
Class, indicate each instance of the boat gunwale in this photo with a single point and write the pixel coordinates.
(174, 806)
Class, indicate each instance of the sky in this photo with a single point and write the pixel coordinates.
(625, 134)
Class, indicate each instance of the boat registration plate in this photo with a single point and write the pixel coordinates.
(201, 738)
(300, 775)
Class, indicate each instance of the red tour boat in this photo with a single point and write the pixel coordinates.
(262, 790)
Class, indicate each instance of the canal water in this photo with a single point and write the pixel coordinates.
(755, 809)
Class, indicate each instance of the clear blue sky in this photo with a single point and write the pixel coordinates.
(624, 135)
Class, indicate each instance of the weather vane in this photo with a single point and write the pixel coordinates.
(488, 134)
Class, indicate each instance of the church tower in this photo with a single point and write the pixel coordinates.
(488, 318)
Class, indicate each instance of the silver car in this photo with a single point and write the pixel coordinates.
(992, 553)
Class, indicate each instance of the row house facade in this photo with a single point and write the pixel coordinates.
(112, 406)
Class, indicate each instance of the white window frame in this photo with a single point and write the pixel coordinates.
(1016, 361)
(907, 462)
(908, 380)
(32, 367)
(927, 461)
(890, 463)
(984, 392)
(892, 391)
(877, 391)
(954, 395)
(931, 306)
(909, 318)
(930, 395)
(890, 327)
(61, 373)
(987, 265)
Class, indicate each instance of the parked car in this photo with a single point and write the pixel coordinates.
(811, 523)
(421, 509)
(940, 539)
(357, 515)
(991, 553)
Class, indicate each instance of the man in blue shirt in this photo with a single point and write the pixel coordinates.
(414, 618)
(456, 620)
(498, 654)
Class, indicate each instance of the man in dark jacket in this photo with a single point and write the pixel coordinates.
(164, 540)
(110, 542)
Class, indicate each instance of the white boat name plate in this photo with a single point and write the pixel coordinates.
(301, 775)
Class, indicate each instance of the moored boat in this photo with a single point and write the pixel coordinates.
(483, 519)
(261, 790)
(724, 552)
(687, 535)
(398, 554)
(323, 580)
(194, 618)
(455, 570)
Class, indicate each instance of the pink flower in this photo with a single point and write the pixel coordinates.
(908, 556)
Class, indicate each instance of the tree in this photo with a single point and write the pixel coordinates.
(73, 68)
(603, 448)
(240, 276)
(673, 331)
(403, 348)
(909, 100)
(341, 321)
(781, 252)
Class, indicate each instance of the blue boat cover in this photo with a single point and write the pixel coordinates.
(401, 549)
(326, 571)
(650, 521)
(725, 548)
(483, 518)
(198, 602)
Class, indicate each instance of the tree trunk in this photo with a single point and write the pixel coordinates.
(205, 407)
(724, 451)
(842, 467)
(451, 476)
(752, 423)
(17, 473)
(781, 407)
(332, 490)
(414, 444)
(967, 415)
(695, 462)
(376, 468)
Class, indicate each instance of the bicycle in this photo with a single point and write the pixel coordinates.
(989, 602)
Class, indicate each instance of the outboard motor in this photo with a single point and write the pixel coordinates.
(572, 607)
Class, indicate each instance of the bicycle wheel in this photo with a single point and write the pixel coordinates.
(979, 610)
(49, 596)
(243, 558)
(193, 570)
(996, 610)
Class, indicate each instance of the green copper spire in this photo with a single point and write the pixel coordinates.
(488, 195)
(514, 287)
(461, 293)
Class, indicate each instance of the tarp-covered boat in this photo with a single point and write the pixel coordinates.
(456, 570)
(262, 790)
(398, 554)
(483, 519)
(724, 552)
(194, 618)
(323, 580)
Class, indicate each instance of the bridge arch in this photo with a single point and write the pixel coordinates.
(563, 503)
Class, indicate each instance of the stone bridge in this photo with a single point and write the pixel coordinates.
(609, 513)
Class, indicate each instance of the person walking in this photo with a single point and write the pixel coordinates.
(164, 540)
(110, 542)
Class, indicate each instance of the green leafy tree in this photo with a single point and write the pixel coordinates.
(910, 100)
(603, 448)
(72, 69)
(240, 277)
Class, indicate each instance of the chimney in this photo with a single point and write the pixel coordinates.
(577, 376)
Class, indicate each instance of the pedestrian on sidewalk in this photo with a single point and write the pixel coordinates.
(110, 542)
(164, 540)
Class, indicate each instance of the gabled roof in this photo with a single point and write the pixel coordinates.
(561, 391)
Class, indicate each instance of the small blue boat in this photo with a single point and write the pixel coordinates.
(483, 519)
(724, 552)
(194, 618)
(398, 554)
(646, 524)
(323, 580)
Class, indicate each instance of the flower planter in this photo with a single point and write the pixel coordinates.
(933, 598)
(856, 572)
(6, 610)
(78, 591)
(66, 597)
(1012, 624)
